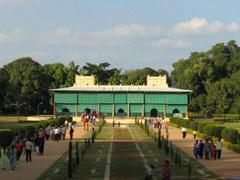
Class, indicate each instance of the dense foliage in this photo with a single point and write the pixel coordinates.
(213, 76)
(25, 83)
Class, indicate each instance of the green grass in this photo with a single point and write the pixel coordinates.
(92, 167)
(10, 125)
(106, 134)
(126, 160)
(234, 125)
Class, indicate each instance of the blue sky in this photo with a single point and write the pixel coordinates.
(129, 34)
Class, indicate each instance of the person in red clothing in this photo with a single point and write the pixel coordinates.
(166, 170)
(19, 149)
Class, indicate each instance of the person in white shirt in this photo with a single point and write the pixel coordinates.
(219, 147)
(28, 148)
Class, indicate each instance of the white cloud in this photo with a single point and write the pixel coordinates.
(170, 44)
(5, 38)
(62, 31)
(233, 27)
(129, 31)
(200, 26)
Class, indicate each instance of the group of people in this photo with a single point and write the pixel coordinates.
(88, 119)
(20, 142)
(208, 149)
(28, 143)
(165, 171)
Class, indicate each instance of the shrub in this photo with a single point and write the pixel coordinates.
(230, 134)
(234, 147)
(208, 129)
(217, 132)
(193, 125)
(6, 138)
(201, 126)
(238, 139)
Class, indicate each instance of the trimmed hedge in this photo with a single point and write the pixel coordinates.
(193, 125)
(218, 131)
(230, 134)
(201, 126)
(208, 129)
(181, 122)
(6, 138)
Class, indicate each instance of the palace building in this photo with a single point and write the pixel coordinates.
(154, 99)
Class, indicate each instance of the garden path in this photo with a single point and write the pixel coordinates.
(53, 151)
(228, 167)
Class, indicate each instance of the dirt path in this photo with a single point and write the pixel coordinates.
(30, 171)
(228, 167)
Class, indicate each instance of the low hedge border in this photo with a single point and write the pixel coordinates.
(6, 136)
(208, 130)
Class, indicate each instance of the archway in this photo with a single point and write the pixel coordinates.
(120, 111)
(65, 110)
(154, 112)
(175, 111)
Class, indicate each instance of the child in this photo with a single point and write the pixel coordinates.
(149, 173)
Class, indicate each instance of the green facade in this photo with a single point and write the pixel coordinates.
(114, 103)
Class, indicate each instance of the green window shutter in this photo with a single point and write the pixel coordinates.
(106, 108)
(155, 98)
(176, 99)
(85, 98)
(120, 98)
(105, 98)
(135, 98)
(65, 98)
(136, 108)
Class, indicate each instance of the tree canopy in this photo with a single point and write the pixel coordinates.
(214, 78)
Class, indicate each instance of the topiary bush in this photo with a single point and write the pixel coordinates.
(6, 138)
(217, 132)
(193, 125)
(238, 139)
(201, 126)
(230, 134)
(208, 129)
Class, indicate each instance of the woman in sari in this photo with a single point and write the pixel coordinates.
(12, 156)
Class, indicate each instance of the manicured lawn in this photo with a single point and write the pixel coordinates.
(9, 125)
(235, 125)
(126, 161)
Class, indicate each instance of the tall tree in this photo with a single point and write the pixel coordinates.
(4, 77)
(25, 86)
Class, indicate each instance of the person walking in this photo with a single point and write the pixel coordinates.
(201, 148)
(194, 134)
(207, 149)
(19, 149)
(12, 156)
(149, 173)
(166, 170)
(28, 149)
(196, 149)
(71, 132)
(219, 147)
(184, 132)
(37, 144)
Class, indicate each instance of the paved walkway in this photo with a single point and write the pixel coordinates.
(228, 167)
(30, 171)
